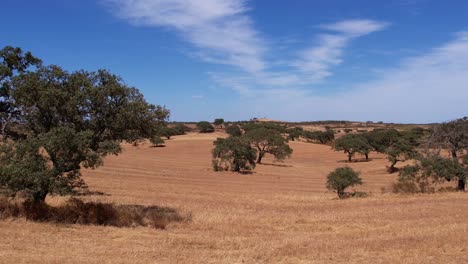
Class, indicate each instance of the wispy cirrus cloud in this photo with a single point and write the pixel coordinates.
(429, 87)
(219, 29)
(223, 33)
(316, 62)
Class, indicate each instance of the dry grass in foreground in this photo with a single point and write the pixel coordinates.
(75, 211)
(281, 213)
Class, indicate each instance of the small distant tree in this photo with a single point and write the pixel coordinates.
(342, 178)
(269, 141)
(233, 153)
(234, 130)
(205, 127)
(451, 136)
(352, 144)
(347, 130)
(322, 137)
(219, 122)
(428, 171)
(295, 133)
(166, 132)
(381, 139)
(157, 141)
(400, 151)
(181, 129)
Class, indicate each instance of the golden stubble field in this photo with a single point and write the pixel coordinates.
(282, 213)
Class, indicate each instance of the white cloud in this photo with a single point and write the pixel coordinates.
(317, 61)
(425, 88)
(356, 27)
(220, 29)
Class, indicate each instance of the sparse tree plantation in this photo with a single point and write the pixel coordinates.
(233, 131)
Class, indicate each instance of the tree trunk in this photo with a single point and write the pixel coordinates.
(40, 196)
(350, 156)
(392, 168)
(367, 156)
(461, 185)
(260, 156)
(454, 154)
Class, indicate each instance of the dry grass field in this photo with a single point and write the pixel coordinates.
(282, 213)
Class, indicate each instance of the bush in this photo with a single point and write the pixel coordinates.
(205, 127)
(234, 131)
(233, 153)
(423, 176)
(166, 132)
(342, 178)
(157, 141)
(181, 129)
(76, 211)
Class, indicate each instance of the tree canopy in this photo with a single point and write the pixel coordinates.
(342, 178)
(66, 121)
(268, 141)
(233, 153)
(352, 144)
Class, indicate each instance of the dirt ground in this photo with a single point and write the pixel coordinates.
(282, 213)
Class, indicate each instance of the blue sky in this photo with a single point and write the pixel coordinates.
(395, 61)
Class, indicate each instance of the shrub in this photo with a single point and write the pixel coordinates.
(342, 178)
(205, 127)
(181, 129)
(166, 132)
(157, 141)
(219, 122)
(234, 130)
(427, 172)
(233, 153)
(76, 211)
(321, 137)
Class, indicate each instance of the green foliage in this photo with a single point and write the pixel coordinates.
(219, 122)
(234, 130)
(181, 129)
(381, 139)
(205, 127)
(453, 137)
(24, 168)
(233, 153)
(322, 137)
(401, 150)
(429, 171)
(157, 141)
(268, 141)
(166, 132)
(69, 120)
(294, 133)
(342, 178)
(352, 144)
(12, 63)
(347, 130)
(266, 125)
